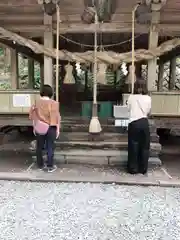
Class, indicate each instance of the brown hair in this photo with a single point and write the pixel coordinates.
(46, 91)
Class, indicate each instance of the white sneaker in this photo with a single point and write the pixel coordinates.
(52, 169)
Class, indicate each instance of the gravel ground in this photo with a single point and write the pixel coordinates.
(30, 211)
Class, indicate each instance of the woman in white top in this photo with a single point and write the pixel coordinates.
(139, 105)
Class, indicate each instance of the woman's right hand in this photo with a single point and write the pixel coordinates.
(57, 133)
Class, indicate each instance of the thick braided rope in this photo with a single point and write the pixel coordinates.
(88, 57)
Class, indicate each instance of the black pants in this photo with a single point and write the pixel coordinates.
(138, 146)
(48, 141)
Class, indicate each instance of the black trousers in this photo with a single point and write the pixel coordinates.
(138, 146)
(48, 142)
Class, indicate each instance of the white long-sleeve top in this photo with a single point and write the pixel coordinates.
(139, 106)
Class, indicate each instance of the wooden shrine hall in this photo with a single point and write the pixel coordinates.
(29, 27)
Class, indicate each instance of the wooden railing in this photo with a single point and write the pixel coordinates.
(165, 103)
(19, 102)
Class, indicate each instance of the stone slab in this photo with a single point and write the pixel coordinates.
(81, 159)
(97, 157)
(90, 176)
(104, 136)
(102, 145)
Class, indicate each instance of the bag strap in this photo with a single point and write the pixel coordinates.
(140, 107)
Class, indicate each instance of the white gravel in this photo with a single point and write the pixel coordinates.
(50, 211)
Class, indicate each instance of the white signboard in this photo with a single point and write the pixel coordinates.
(21, 100)
(121, 122)
(121, 111)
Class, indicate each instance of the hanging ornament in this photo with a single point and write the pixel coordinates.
(101, 74)
(124, 69)
(78, 68)
(69, 78)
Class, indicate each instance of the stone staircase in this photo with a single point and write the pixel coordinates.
(76, 145)
(110, 147)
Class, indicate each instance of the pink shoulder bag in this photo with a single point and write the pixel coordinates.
(40, 127)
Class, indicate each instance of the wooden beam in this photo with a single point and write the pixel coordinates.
(17, 2)
(30, 73)
(76, 28)
(18, 10)
(48, 42)
(42, 73)
(37, 17)
(160, 76)
(163, 29)
(31, 18)
(153, 43)
(14, 69)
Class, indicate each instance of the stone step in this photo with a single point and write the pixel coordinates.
(85, 136)
(96, 157)
(104, 136)
(84, 127)
(155, 148)
(86, 120)
(68, 154)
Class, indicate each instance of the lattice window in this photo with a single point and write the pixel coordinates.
(177, 83)
(144, 72)
(22, 71)
(5, 73)
(166, 75)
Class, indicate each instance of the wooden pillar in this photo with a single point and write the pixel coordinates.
(172, 75)
(153, 43)
(138, 69)
(160, 76)
(48, 42)
(30, 73)
(14, 69)
(7, 55)
(42, 73)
